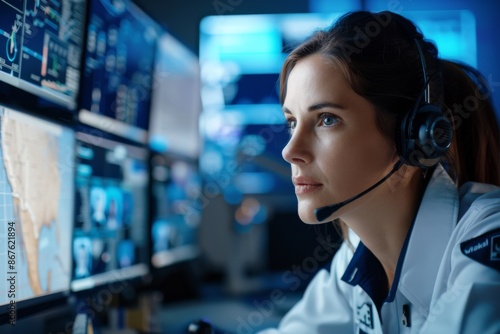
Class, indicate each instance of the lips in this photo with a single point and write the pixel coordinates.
(305, 185)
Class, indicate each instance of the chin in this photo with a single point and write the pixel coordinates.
(306, 214)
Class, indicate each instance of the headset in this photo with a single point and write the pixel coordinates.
(423, 134)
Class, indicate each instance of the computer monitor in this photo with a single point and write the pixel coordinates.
(176, 209)
(110, 239)
(40, 53)
(176, 99)
(37, 190)
(118, 68)
(241, 55)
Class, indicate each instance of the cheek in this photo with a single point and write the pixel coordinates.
(355, 164)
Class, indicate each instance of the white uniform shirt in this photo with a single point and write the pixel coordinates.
(447, 280)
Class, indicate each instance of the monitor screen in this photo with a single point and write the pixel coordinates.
(40, 47)
(110, 239)
(176, 188)
(118, 68)
(37, 190)
(176, 99)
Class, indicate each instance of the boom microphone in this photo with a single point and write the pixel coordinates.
(326, 211)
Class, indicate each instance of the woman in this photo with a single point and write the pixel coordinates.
(408, 179)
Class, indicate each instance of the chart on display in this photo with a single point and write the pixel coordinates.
(36, 187)
(40, 47)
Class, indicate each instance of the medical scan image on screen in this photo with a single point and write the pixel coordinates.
(37, 190)
(41, 45)
(110, 234)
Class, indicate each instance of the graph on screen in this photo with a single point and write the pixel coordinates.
(40, 47)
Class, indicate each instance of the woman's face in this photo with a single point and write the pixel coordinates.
(335, 149)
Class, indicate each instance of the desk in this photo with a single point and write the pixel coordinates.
(238, 315)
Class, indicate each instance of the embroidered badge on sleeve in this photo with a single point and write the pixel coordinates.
(484, 249)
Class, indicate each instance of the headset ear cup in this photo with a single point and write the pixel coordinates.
(434, 132)
(426, 137)
(423, 134)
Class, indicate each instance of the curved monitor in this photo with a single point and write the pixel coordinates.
(40, 51)
(37, 196)
(110, 239)
(118, 68)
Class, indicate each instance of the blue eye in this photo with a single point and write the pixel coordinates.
(291, 124)
(328, 119)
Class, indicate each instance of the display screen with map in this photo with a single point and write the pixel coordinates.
(37, 190)
(110, 241)
(118, 69)
(41, 46)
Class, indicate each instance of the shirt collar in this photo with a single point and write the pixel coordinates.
(417, 265)
(435, 221)
(365, 270)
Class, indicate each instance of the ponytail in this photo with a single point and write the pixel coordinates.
(474, 154)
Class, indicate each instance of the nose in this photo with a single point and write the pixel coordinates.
(297, 150)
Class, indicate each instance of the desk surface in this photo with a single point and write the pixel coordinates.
(232, 315)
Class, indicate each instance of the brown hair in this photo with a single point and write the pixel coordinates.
(474, 154)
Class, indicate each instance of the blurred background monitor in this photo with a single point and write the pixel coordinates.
(118, 68)
(176, 101)
(40, 53)
(37, 190)
(244, 143)
(176, 210)
(110, 239)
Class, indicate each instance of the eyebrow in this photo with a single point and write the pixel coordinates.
(317, 106)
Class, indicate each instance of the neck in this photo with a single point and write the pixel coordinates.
(382, 222)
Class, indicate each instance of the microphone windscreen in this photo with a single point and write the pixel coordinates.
(326, 211)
